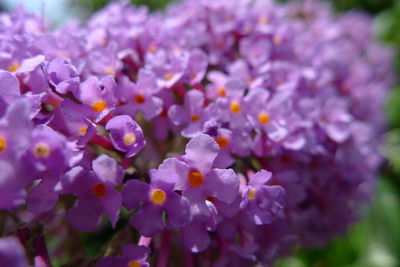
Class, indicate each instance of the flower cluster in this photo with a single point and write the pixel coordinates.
(230, 130)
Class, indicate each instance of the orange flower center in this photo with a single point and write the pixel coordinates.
(263, 118)
(139, 99)
(195, 178)
(158, 196)
(222, 141)
(152, 48)
(99, 190)
(251, 194)
(222, 91)
(134, 264)
(83, 130)
(195, 118)
(3, 144)
(99, 106)
(235, 107)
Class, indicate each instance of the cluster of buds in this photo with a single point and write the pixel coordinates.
(227, 132)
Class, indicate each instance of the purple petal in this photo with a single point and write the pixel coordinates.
(260, 178)
(108, 170)
(9, 87)
(201, 152)
(178, 115)
(198, 207)
(134, 192)
(195, 237)
(147, 82)
(85, 214)
(194, 102)
(43, 196)
(152, 107)
(165, 177)
(148, 220)
(178, 210)
(222, 184)
(112, 204)
(135, 252)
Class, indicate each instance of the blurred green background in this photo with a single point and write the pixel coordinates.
(374, 241)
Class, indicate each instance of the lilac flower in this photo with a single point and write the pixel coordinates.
(140, 96)
(100, 95)
(133, 256)
(168, 67)
(262, 202)
(268, 114)
(192, 114)
(158, 197)
(96, 193)
(48, 151)
(197, 178)
(126, 135)
(63, 75)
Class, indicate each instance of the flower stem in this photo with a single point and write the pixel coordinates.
(164, 251)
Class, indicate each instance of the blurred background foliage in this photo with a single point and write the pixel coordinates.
(374, 241)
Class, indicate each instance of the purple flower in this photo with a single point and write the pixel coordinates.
(268, 114)
(100, 95)
(156, 198)
(96, 192)
(48, 151)
(192, 115)
(262, 202)
(126, 135)
(63, 75)
(198, 180)
(140, 97)
(132, 256)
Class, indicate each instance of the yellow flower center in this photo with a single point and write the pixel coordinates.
(83, 130)
(263, 118)
(13, 67)
(41, 150)
(99, 106)
(235, 107)
(195, 178)
(99, 190)
(195, 118)
(134, 264)
(139, 99)
(251, 194)
(3, 144)
(158, 196)
(222, 91)
(222, 141)
(168, 76)
(129, 139)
